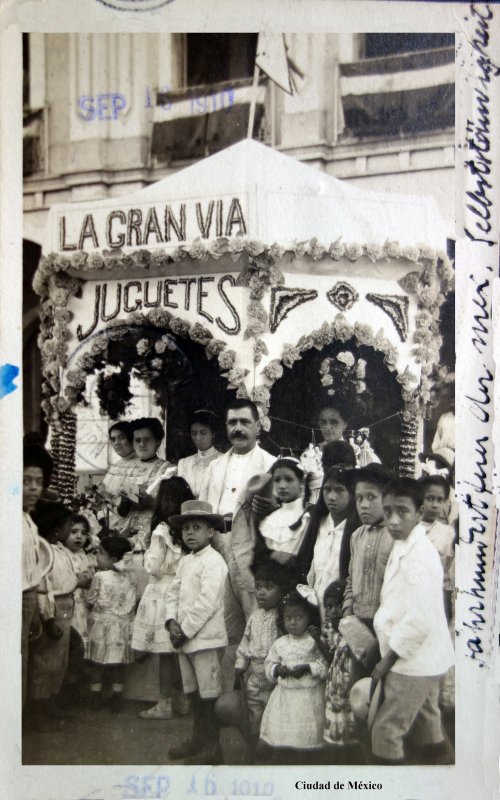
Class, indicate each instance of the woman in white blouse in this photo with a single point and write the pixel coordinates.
(193, 468)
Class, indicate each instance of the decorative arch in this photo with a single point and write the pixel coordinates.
(64, 387)
(403, 399)
(366, 409)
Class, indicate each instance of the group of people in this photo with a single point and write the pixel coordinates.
(331, 618)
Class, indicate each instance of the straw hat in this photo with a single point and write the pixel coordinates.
(261, 484)
(197, 509)
(362, 707)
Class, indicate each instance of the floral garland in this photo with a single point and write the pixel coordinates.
(55, 283)
(338, 330)
(261, 260)
(151, 353)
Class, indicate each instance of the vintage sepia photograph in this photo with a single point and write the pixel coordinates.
(239, 512)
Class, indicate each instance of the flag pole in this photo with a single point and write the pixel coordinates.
(255, 86)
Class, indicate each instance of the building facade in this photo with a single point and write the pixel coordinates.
(106, 114)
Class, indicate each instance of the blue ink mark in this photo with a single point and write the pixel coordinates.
(15, 490)
(8, 373)
(105, 107)
(140, 787)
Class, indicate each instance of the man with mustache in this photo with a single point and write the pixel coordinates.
(228, 475)
(224, 488)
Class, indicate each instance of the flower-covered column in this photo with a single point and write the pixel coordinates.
(66, 451)
(408, 448)
(55, 440)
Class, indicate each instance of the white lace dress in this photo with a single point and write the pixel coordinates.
(160, 561)
(295, 713)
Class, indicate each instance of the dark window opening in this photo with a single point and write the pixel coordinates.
(216, 57)
(386, 44)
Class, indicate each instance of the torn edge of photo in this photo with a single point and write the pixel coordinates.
(250, 272)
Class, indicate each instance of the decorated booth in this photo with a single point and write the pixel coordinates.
(246, 274)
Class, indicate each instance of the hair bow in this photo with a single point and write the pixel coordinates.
(307, 593)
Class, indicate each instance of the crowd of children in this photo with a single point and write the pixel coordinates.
(353, 594)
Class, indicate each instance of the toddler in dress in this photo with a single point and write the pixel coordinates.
(112, 598)
(84, 567)
(295, 714)
(262, 629)
(78, 539)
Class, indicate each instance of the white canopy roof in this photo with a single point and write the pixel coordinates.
(283, 200)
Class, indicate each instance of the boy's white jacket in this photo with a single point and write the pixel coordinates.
(411, 619)
(196, 600)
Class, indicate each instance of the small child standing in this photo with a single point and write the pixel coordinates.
(295, 714)
(79, 536)
(262, 629)
(340, 728)
(112, 598)
(411, 627)
(371, 545)
(195, 622)
(83, 565)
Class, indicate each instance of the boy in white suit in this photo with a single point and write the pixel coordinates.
(195, 622)
(413, 635)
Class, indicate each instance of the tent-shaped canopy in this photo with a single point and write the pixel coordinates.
(281, 200)
(262, 261)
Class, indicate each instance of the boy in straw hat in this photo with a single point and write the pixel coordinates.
(195, 622)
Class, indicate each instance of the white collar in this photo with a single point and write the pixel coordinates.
(200, 552)
(277, 526)
(241, 455)
(327, 525)
(206, 453)
(402, 547)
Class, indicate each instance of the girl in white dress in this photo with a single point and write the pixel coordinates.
(112, 598)
(283, 535)
(161, 561)
(295, 714)
(79, 537)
